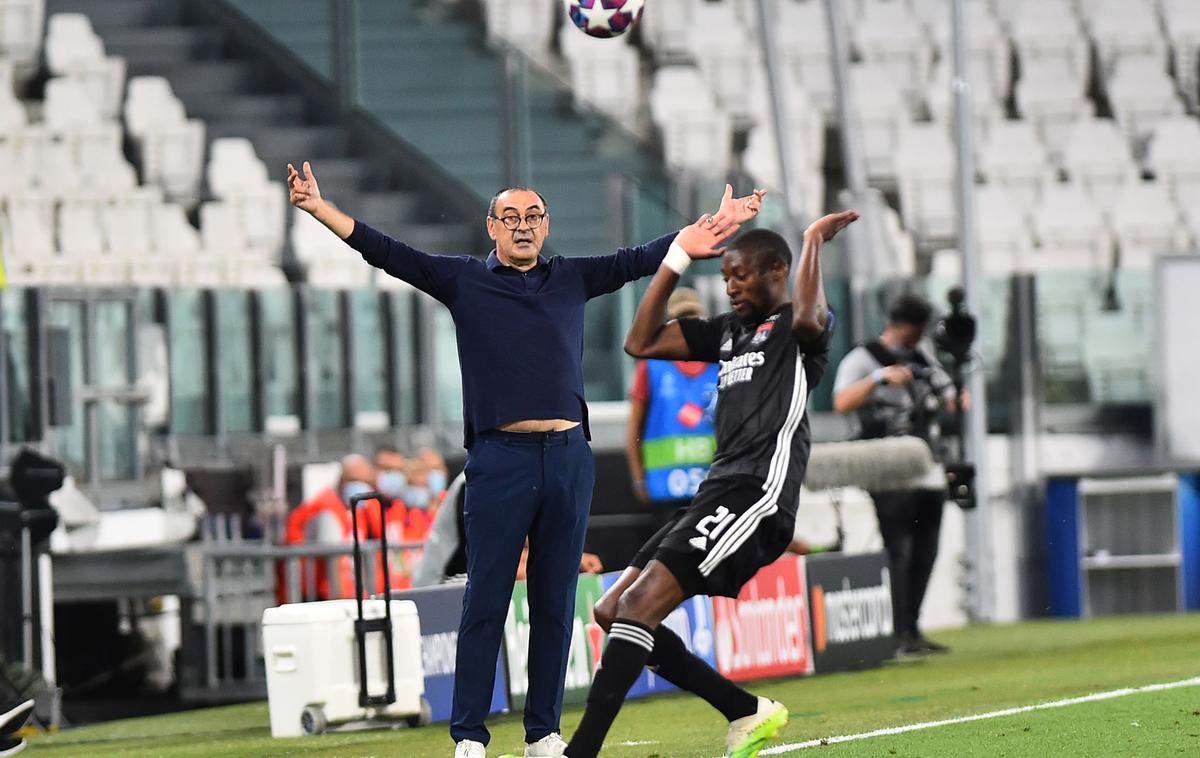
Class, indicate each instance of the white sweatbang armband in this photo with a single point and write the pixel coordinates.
(677, 259)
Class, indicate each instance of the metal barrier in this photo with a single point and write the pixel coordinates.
(241, 579)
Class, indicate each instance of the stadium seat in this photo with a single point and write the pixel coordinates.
(888, 35)
(73, 49)
(12, 112)
(68, 104)
(1071, 231)
(1182, 21)
(1124, 29)
(221, 229)
(986, 106)
(1014, 158)
(173, 235)
(803, 44)
(128, 221)
(989, 55)
(924, 168)
(1051, 97)
(803, 121)
(21, 24)
(80, 234)
(525, 24)
(1004, 236)
(882, 113)
(172, 156)
(233, 165)
(606, 77)
(1141, 93)
(666, 28)
(1048, 32)
(1174, 156)
(697, 136)
(31, 220)
(723, 50)
(1147, 223)
(761, 160)
(1098, 159)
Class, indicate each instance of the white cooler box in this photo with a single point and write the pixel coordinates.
(312, 665)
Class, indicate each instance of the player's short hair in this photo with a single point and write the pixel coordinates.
(386, 449)
(910, 309)
(765, 246)
(518, 188)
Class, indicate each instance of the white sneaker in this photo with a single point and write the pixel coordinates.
(470, 749)
(550, 746)
(749, 734)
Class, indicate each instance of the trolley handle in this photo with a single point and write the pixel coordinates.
(361, 625)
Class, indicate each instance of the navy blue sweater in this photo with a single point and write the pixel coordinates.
(520, 335)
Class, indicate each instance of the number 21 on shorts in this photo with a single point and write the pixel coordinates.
(711, 526)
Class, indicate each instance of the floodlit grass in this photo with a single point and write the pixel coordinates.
(990, 668)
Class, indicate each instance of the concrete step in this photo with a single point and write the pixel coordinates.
(300, 142)
(209, 77)
(285, 110)
(117, 14)
(404, 207)
(164, 44)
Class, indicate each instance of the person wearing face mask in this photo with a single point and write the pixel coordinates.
(391, 463)
(894, 386)
(438, 475)
(325, 518)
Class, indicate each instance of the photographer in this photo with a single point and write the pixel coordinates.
(895, 386)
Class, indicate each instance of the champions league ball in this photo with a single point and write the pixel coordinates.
(604, 18)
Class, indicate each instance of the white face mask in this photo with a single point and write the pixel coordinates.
(436, 481)
(352, 488)
(417, 497)
(392, 483)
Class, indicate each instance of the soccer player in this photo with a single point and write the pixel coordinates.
(772, 350)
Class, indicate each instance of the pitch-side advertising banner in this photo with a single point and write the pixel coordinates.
(439, 609)
(765, 631)
(851, 601)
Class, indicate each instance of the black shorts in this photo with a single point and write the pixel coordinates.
(723, 538)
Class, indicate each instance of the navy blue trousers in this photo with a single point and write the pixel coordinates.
(537, 485)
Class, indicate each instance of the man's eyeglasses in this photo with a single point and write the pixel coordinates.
(512, 221)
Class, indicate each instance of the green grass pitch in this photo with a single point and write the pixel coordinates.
(990, 668)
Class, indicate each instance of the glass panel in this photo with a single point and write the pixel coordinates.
(69, 441)
(325, 355)
(277, 310)
(1095, 334)
(117, 439)
(404, 346)
(113, 365)
(370, 351)
(234, 360)
(16, 338)
(446, 368)
(187, 340)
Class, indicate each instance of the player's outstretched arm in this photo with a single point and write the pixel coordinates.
(809, 308)
(305, 194)
(650, 336)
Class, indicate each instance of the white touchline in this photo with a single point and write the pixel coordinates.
(793, 747)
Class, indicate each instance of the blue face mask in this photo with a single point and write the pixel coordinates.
(350, 489)
(392, 483)
(417, 497)
(436, 481)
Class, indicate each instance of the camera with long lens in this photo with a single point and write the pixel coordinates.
(954, 334)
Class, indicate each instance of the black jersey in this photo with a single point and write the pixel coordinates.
(765, 377)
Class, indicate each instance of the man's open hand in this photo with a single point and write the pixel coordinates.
(702, 239)
(303, 191)
(829, 226)
(738, 210)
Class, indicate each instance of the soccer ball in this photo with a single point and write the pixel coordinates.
(604, 18)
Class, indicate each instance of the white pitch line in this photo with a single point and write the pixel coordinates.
(1095, 696)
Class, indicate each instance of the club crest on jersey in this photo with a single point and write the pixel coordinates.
(762, 332)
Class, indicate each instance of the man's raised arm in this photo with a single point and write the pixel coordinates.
(809, 307)
(428, 273)
(650, 335)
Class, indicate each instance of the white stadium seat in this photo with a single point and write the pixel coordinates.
(697, 136)
(924, 168)
(666, 27)
(1098, 159)
(761, 160)
(21, 24)
(887, 34)
(1141, 93)
(68, 104)
(1124, 29)
(882, 113)
(173, 235)
(1071, 231)
(1147, 223)
(986, 106)
(80, 234)
(1051, 97)
(802, 120)
(730, 62)
(128, 222)
(73, 49)
(802, 39)
(31, 219)
(1182, 21)
(1174, 156)
(1004, 236)
(525, 24)
(1013, 157)
(605, 74)
(989, 54)
(1047, 32)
